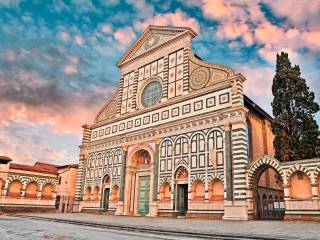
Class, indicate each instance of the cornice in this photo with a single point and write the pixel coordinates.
(217, 87)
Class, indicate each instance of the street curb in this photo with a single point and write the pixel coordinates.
(148, 230)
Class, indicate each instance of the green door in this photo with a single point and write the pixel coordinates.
(106, 198)
(182, 199)
(143, 201)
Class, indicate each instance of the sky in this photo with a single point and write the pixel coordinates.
(58, 58)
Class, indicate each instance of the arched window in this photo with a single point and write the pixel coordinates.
(115, 193)
(300, 186)
(87, 194)
(31, 190)
(215, 140)
(181, 146)
(165, 192)
(216, 190)
(47, 191)
(14, 189)
(117, 156)
(99, 159)
(108, 158)
(197, 143)
(166, 149)
(197, 191)
(215, 147)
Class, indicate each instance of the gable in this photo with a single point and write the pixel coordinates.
(154, 37)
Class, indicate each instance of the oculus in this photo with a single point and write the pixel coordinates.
(151, 93)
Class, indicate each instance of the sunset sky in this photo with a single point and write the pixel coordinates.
(58, 58)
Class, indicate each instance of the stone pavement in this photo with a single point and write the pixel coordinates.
(253, 229)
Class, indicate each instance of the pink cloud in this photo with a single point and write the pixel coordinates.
(124, 36)
(259, 80)
(64, 36)
(106, 28)
(79, 40)
(70, 69)
(242, 19)
(10, 55)
(179, 19)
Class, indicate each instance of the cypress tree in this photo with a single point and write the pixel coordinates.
(296, 131)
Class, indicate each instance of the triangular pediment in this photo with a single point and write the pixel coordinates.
(152, 38)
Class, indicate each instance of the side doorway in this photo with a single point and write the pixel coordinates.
(268, 195)
(182, 199)
(106, 198)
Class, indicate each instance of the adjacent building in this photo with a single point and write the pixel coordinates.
(179, 137)
(40, 187)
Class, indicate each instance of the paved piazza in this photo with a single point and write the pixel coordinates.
(24, 228)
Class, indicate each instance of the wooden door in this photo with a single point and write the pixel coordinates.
(182, 199)
(143, 196)
(106, 198)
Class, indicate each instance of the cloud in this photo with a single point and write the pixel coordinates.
(106, 28)
(124, 36)
(10, 3)
(70, 69)
(248, 22)
(64, 36)
(178, 18)
(79, 40)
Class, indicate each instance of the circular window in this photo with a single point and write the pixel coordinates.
(151, 93)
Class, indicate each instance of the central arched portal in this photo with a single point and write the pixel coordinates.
(138, 184)
(268, 194)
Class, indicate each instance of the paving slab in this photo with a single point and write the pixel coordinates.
(253, 229)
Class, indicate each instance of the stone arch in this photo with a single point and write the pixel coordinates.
(317, 174)
(87, 193)
(259, 164)
(198, 190)
(198, 177)
(14, 188)
(214, 129)
(216, 175)
(115, 191)
(137, 149)
(33, 179)
(19, 178)
(295, 168)
(47, 191)
(165, 191)
(47, 181)
(216, 189)
(165, 180)
(32, 189)
(95, 193)
(179, 169)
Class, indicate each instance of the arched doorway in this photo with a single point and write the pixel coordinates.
(106, 192)
(268, 194)
(138, 183)
(181, 181)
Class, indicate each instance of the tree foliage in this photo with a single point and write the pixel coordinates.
(296, 131)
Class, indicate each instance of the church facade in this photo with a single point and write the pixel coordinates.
(180, 138)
